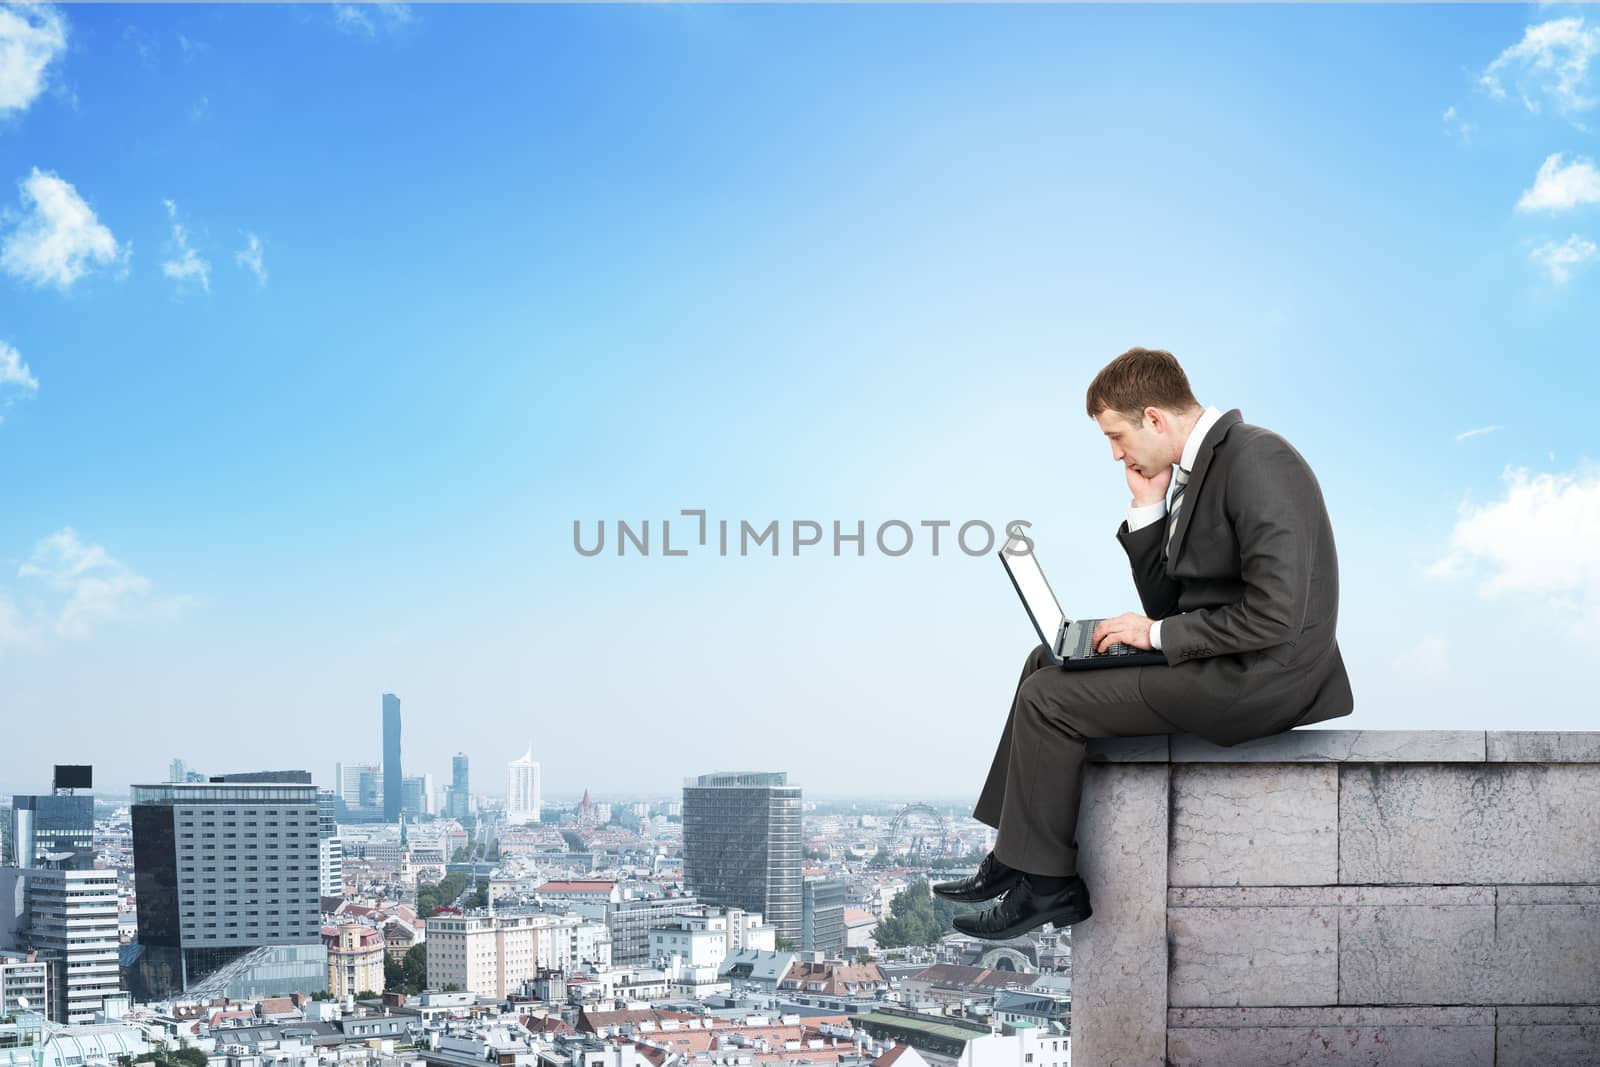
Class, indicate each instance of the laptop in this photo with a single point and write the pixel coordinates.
(1069, 640)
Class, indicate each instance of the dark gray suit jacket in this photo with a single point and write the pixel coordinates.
(1248, 593)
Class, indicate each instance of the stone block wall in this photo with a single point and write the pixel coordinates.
(1382, 898)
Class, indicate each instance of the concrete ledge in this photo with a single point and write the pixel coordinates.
(1547, 1037)
(1342, 897)
(1368, 1037)
(1359, 746)
(1267, 824)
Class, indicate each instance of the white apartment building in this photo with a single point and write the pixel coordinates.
(493, 955)
(73, 924)
(330, 867)
(24, 983)
(490, 955)
(747, 931)
(522, 796)
(697, 940)
(1024, 1047)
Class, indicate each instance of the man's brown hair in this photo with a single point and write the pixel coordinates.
(1137, 379)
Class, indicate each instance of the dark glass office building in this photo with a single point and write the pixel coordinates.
(822, 916)
(741, 845)
(224, 869)
(392, 784)
(53, 831)
(460, 803)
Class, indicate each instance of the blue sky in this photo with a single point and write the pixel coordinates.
(320, 326)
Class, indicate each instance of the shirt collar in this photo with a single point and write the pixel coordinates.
(1191, 447)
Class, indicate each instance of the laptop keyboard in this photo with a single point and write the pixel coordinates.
(1086, 646)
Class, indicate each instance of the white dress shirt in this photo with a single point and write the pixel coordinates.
(1139, 517)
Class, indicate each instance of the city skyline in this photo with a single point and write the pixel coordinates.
(302, 400)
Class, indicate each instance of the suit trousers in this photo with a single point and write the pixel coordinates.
(1035, 783)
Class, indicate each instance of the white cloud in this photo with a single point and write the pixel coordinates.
(59, 238)
(1456, 124)
(1558, 260)
(1480, 431)
(15, 372)
(357, 18)
(1561, 188)
(251, 259)
(99, 588)
(1534, 548)
(31, 37)
(186, 264)
(1429, 658)
(1552, 60)
(12, 629)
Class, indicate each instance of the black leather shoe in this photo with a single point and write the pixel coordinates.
(991, 879)
(1023, 909)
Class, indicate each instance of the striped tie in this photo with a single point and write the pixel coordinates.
(1181, 477)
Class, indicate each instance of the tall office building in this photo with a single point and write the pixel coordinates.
(330, 850)
(358, 785)
(227, 878)
(72, 924)
(460, 803)
(522, 800)
(177, 771)
(392, 787)
(741, 845)
(822, 915)
(416, 795)
(55, 829)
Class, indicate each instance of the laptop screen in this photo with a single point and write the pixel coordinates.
(1036, 594)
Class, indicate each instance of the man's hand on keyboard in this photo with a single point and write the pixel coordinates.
(1128, 628)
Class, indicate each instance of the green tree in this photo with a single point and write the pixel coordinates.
(189, 1057)
(785, 944)
(414, 969)
(916, 917)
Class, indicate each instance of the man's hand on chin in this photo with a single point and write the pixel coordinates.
(1129, 628)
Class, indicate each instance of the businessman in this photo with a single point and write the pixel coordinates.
(1240, 587)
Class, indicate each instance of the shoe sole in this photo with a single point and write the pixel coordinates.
(973, 898)
(1059, 917)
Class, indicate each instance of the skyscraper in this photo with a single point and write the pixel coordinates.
(55, 829)
(522, 799)
(330, 850)
(224, 870)
(460, 804)
(392, 788)
(72, 923)
(741, 845)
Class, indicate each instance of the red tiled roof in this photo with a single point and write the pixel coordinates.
(889, 1057)
(577, 886)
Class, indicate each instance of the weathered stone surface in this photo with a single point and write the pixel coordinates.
(1417, 954)
(1339, 746)
(1549, 953)
(1493, 823)
(1532, 746)
(1150, 749)
(1335, 1037)
(1254, 957)
(1324, 896)
(1119, 955)
(1547, 1037)
(1254, 825)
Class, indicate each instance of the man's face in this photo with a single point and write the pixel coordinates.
(1140, 446)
